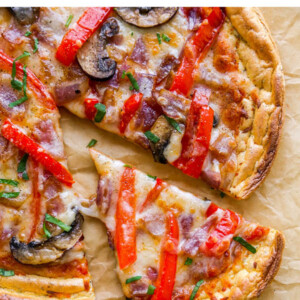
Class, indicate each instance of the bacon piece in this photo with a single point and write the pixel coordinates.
(166, 67)
(139, 53)
(186, 223)
(222, 147)
(104, 193)
(152, 273)
(146, 83)
(7, 96)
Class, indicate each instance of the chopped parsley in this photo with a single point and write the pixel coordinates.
(69, 21)
(36, 45)
(151, 289)
(245, 244)
(92, 143)
(188, 261)
(57, 222)
(152, 137)
(101, 111)
(222, 194)
(173, 123)
(158, 38)
(131, 33)
(16, 84)
(28, 33)
(6, 273)
(132, 279)
(9, 182)
(166, 38)
(195, 290)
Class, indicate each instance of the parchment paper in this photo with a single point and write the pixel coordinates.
(276, 203)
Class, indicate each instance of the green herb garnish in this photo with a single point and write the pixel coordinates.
(158, 38)
(245, 244)
(57, 222)
(188, 261)
(151, 137)
(36, 45)
(151, 289)
(22, 166)
(153, 177)
(173, 123)
(47, 232)
(222, 195)
(131, 33)
(133, 81)
(166, 38)
(196, 288)
(6, 273)
(101, 111)
(69, 21)
(28, 33)
(9, 194)
(127, 166)
(92, 143)
(132, 279)
(16, 84)
(9, 181)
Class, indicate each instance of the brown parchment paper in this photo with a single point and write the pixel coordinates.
(276, 203)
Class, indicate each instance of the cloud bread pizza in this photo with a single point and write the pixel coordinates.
(41, 243)
(202, 88)
(171, 244)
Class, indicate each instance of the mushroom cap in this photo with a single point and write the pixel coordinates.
(146, 17)
(25, 15)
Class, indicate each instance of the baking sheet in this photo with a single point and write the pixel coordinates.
(276, 203)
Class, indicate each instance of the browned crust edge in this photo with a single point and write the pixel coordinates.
(271, 268)
(266, 48)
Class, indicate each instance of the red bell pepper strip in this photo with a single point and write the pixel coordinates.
(258, 233)
(196, 138)
(130, 107)
(168, 260)
(38, 153)
(76, 36)
(218, 240)
(154, 193)
(34, 84)
(89, 107)
(196, 49)
(125, 237)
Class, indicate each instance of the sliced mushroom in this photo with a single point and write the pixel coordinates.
(162, 129)
(93, 57)
(146, 16)
(25, 15)
(37, 253)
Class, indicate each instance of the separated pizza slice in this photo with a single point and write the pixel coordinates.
(41, 242)
(171, 244)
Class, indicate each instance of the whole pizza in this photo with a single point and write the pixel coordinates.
(201, 88)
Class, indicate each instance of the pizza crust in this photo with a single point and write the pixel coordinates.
(252, 28)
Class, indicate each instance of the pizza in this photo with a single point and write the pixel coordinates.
(41, 246)
(201, 88)
(171, 244)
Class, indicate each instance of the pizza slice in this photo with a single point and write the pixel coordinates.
(171, 244)
(202, 88)
(41, 242)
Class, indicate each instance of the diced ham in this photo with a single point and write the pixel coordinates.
(46, 135)
(139, 53)
(186, 223)
(174, 106)
(104, 193)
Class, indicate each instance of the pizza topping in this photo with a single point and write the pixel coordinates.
(25, 15)
(188, 261)
(196, 139)
(162, 131)
(70, 18)
(130, 107)
(9, 194)
(139, 54)
(133, 81)
(22, 166)
(173, 123)
(88, 23)
(257, 234)
(6, 273)
(125, 235)
(154, 193)
(196, 49)
(151, 137)
(93, 57)
(158, 38)
(16, 84)
(23, 142)
(9, 182)
(101, 111)
(132, 279)
(28, 33)
(146, 17)
(70, 90)
(92, 143)
(37, 253)
(168, 260)
(245, 244)
(57, 222)
(104, 194)
(166, 67)
(151, 289)
(196, 288)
